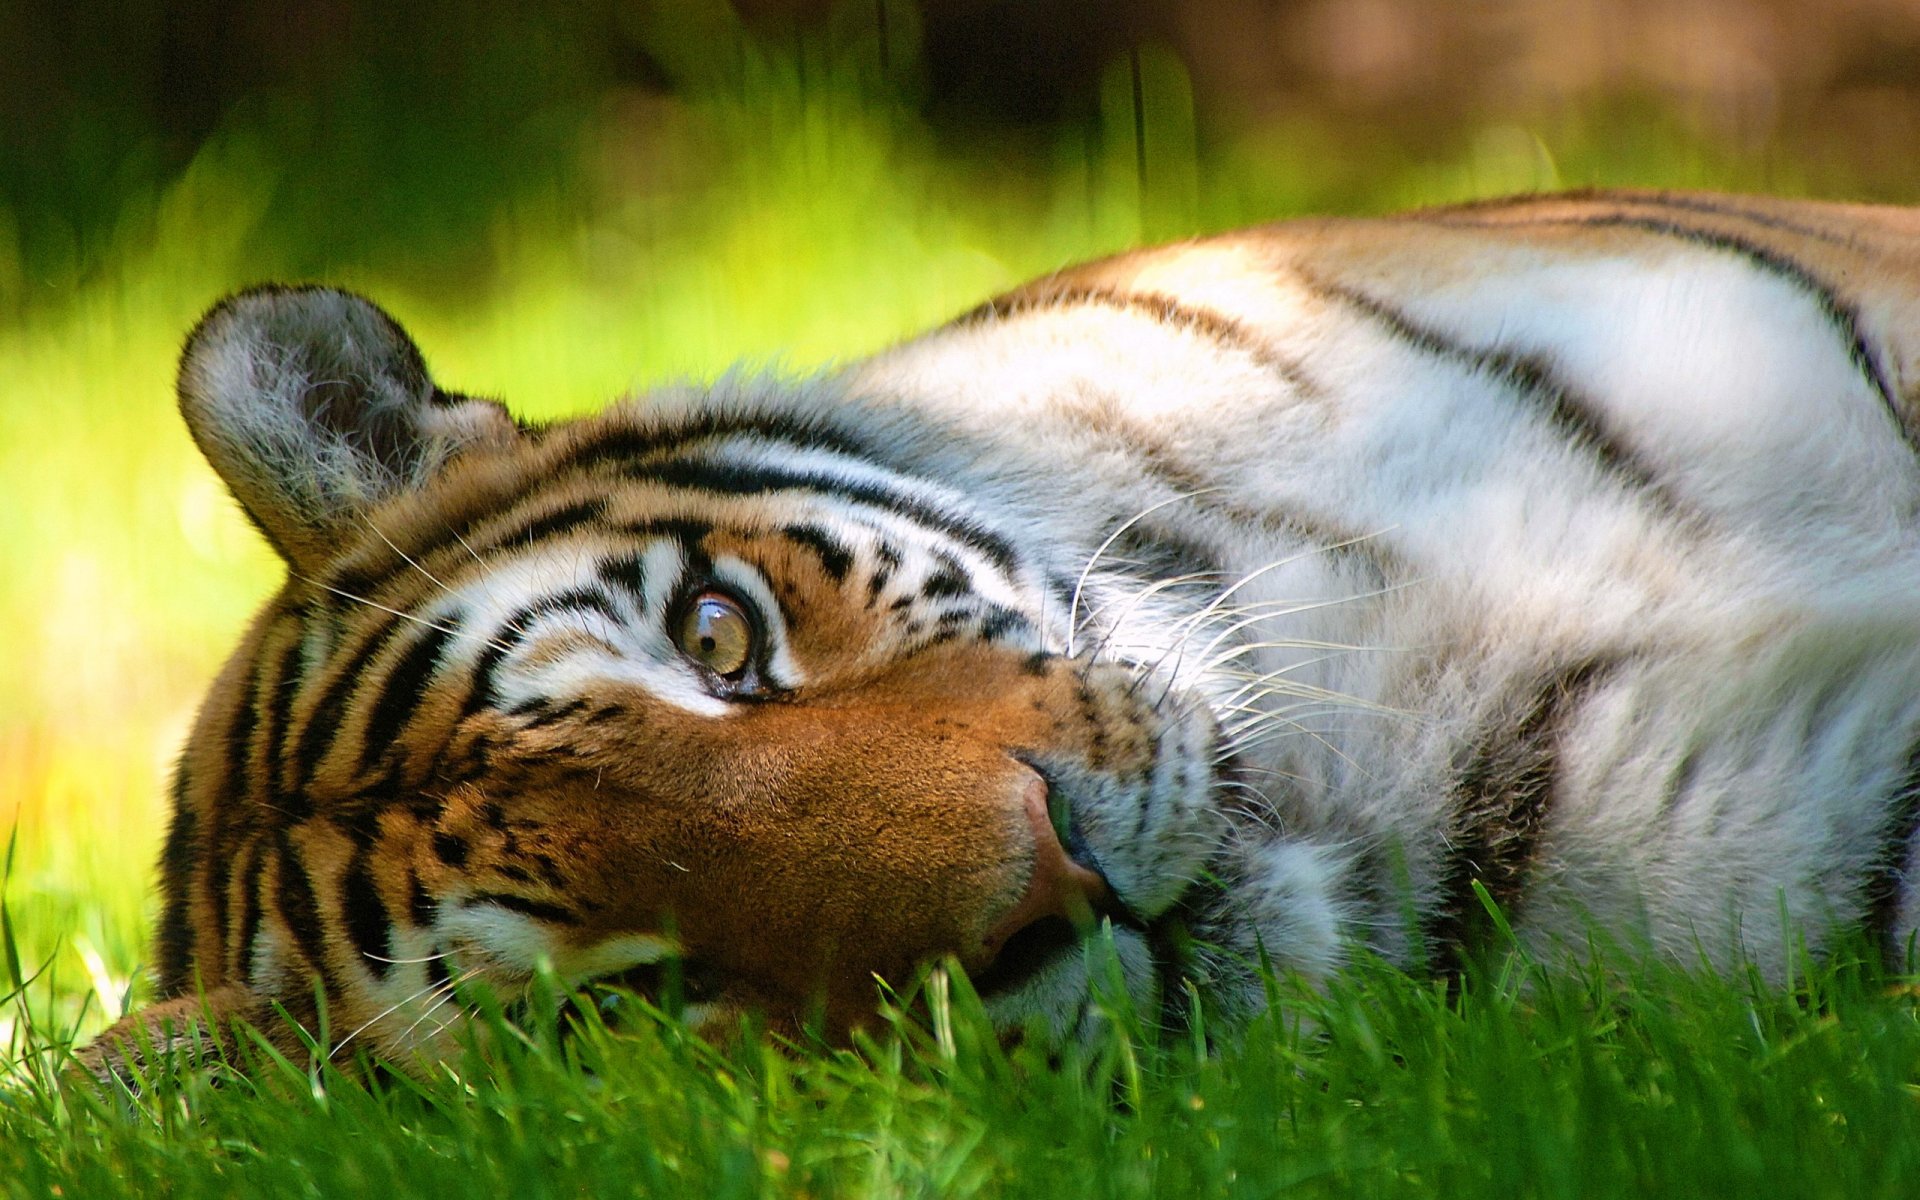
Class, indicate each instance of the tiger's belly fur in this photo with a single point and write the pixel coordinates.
(1314, 575)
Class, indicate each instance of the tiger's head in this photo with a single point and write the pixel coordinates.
(692, 688)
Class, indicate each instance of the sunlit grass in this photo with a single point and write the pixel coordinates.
(1571, 1082)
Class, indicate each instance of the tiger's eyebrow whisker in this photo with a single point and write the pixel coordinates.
(381, 534)
(450, 630)
(466, 545)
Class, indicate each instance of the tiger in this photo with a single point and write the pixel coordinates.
(1402, 586)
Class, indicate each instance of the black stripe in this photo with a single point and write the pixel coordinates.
(546, 716)
(251, 880)
(406, 683)
(361, 820)
(451, 849)
(234, 795)
(1149, 452)
(564, 519)
(366, 915)
(888, 557)
(177, 862)
(323, 720)
(538, 909)
(628, 444)
(357, 584)
(999, 621)
(628, 574)
(177, 857)
(835, 558)
(1502, 795)
(948, 580)
(688, 532)
(1720, 206)
(297, 906)
(420, 905)
(1887, 881)
(1066, 593)
(362, 582)
(1724, 206)
(1158, 554)
(580, 599)
(480, 690)
(1158, 307)
(286, 687)
(620, 445)
(517, 628)
(1574, 418)
(1841, 314)
(742, 479)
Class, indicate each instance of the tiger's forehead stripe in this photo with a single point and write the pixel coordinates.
(636, 436)
(589, 466)
(399, 694)
(434, 542)
(733, 478)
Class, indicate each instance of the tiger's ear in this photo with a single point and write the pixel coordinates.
(314, 405)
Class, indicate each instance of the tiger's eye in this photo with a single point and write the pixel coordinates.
(717, 634)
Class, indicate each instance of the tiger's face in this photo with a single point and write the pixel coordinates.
(793, 750)
(644, 697)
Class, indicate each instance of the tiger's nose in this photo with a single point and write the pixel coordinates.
(1058, 887)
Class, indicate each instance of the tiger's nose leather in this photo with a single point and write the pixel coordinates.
(1058, 886)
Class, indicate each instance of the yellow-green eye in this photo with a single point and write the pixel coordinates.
(717, 634)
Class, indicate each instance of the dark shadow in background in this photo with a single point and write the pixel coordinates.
(403, 128)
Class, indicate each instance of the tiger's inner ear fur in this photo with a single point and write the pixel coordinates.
(313, 405)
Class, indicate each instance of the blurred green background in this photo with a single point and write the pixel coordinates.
(567, 202)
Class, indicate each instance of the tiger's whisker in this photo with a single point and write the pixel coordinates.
(381, 534)
(450, 630)
(1074, 607)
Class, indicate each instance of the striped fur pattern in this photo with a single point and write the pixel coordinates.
(1259, 595)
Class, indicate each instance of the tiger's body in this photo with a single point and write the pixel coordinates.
(1272, 589)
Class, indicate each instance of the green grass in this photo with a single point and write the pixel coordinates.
(1524, 1083)
(788, 208)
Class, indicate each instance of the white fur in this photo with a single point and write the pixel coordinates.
(1764, 634)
